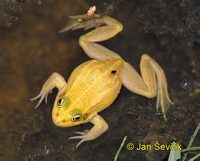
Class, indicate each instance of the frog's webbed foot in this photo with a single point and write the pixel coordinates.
(55, 80)
(100, 126)
(81, 21)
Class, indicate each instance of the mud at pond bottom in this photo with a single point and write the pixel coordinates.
(33, 49)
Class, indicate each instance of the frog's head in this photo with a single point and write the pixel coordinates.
(65, 114)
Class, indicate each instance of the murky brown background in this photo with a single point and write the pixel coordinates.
(33, 49)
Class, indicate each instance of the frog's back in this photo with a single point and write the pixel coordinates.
(95, 84)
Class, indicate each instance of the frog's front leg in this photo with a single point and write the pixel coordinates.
(55, 80)
(100, 127)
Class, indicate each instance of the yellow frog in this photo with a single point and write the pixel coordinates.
(95, 84)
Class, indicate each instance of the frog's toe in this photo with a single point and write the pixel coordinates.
(75, 137)
(82, 133)
(40, 101)
(36, 97)
(80, 142)
(46, 96)
(41, 96)
(82, 136)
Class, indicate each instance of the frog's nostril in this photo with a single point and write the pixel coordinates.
(57, 114)
(64, 121)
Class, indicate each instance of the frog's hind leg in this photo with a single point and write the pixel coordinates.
(88, 41)
(151, 83)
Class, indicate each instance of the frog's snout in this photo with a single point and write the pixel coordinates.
(60, 123)
(56, 119)
(59, 120)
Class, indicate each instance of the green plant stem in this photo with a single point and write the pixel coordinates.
(120, 148)
(192, 140)
(195, 157)
(191, 149)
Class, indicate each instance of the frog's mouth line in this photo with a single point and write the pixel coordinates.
(65, 123)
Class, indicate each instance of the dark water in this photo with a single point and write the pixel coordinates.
(32, 49)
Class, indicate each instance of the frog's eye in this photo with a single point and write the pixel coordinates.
(63, 102)
(76, 117)
(60, 102)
